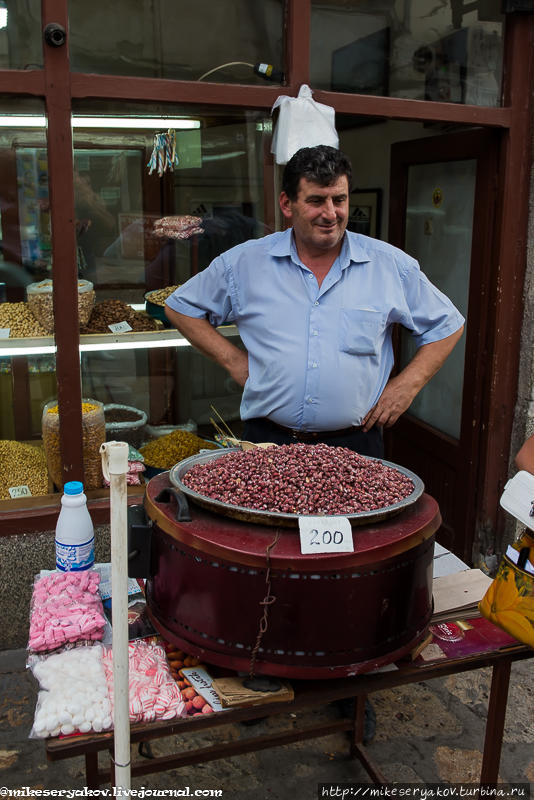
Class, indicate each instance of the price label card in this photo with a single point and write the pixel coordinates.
(19, 491)
(120, 327)
(325, 535)
(4, 333)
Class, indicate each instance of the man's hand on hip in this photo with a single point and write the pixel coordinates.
(209, 341)
(401, 390)
(238, 367)
(394, 400)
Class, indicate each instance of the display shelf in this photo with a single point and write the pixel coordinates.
(53, 498)
(36, 345)
(39, 513)
(104, 341)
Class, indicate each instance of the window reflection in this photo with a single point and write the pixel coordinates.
(138, 230)
(25, 238)
(448, 51)
(20, 34)
(176, 39)
(143, 229)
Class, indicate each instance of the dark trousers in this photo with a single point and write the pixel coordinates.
(366, 444)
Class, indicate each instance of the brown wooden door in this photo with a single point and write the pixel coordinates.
(442, 212)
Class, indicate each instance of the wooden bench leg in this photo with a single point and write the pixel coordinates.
(357, 748)
(498, 698)
(91, 770)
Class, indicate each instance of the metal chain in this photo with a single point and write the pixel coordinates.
(267, 601)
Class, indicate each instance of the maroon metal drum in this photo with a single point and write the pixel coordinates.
(327, 615)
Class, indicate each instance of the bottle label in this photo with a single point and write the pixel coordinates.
(75, 557)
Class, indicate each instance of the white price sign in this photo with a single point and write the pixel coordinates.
(325, 535)
(4, 333)
(19, 491)
(120, 327)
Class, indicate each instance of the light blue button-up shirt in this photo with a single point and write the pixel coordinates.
(319, 358)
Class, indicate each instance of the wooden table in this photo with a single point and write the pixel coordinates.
(308, 694)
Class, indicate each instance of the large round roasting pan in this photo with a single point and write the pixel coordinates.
(178, 472)
(332, 615)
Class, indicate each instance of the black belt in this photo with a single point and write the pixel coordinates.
(312, 436)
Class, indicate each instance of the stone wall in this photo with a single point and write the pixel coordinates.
(523, 426)
(22, 557)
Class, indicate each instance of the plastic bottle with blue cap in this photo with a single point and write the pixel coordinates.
(75, 537)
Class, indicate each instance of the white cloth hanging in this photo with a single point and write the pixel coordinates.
(302, 122)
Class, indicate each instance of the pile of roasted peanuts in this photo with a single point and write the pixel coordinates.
(178, 659)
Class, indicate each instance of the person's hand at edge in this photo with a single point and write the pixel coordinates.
(238, 367)
(394, 400)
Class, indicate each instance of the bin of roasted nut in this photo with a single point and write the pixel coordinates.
(166, 451)
(94, 434)
(155, 303)
(300, 479)
(20, 321)
(40, 302)
(111, 312)
(158, 296)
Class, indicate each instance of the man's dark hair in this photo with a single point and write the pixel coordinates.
(321, 164)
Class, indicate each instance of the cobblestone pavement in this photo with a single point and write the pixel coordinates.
(426, 733)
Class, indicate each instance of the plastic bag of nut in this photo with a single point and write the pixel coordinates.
(94, 434)
(40, 302)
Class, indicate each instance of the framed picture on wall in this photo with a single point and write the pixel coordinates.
(364, 211)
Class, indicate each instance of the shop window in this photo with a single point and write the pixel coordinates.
(27, 353)
(447, 52)
(210, 196)
(177, 39)
(27, 383)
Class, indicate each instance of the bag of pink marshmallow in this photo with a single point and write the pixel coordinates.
(66, 608)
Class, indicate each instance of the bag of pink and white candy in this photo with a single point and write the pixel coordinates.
(153, 692)
(76, 689)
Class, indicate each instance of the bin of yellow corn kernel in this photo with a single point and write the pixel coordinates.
(94, 433)
(22, 465)
(166, 451)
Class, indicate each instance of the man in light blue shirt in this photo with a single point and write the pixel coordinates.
(315, 307)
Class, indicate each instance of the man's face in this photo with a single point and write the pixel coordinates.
(319, 214)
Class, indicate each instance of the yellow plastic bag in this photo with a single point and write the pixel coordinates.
(509, 601)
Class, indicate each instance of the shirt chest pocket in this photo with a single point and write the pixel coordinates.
(360, 331)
